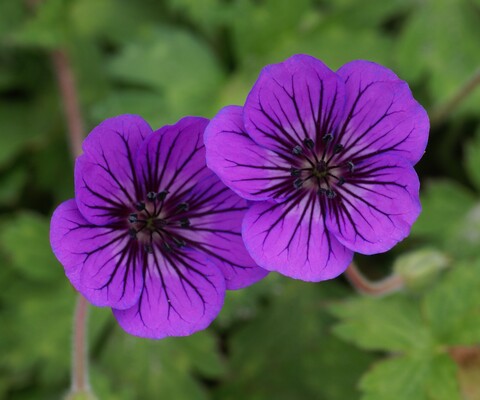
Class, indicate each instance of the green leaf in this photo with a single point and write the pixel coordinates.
(452, 308)
(176, 65)
(472, 159)
(412, 378)
(11, 184)
(24, 239)
(445, 49)
(392, 323)
(444, 204)
(164, 368)
(285, 351)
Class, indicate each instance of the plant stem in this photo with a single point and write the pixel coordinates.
(68, 91)
(392, 283)
(441, 112)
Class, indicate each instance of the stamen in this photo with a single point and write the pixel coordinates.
(297, 150)
(183, 207)
(140, 206)
(166, 246)
(351, 166)
(331, 194)
(132, 233)
(294, 171)
(151, 196)
(322, 191)
(341, 181)
(184, 222)
(132, 218)
(162, 195)
(148, 249)
(328, 137)
(308, 143)
(179, 242)
(338, 148)
(297, 183)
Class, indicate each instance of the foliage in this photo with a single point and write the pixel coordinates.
(277, 339)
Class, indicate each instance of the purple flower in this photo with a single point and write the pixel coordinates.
(152, 232)
(328, 159)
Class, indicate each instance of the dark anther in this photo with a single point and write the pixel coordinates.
(183, 207)
(294, 171)
(322, 191)
(161, 195)
(309, 143)
(132, 233)
(328, 137)
(297, 183)
(151, 196)
(184, 222)
(338, 148)
(297, 150)
(166, 246)
(351, 166)
(148, 249)
(132, 218)
(179, 242)
(140, 206)
(331, 194)
(341, 181)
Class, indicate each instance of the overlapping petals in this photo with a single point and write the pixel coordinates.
(152, 233)
(328, 157)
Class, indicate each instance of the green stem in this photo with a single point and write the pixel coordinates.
(362, 284)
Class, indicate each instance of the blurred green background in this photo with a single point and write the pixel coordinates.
(280, 339)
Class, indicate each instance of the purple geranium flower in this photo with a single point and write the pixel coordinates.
(327, 157)
(152, 232)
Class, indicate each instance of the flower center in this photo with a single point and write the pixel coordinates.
(156, 224)
(320, 166)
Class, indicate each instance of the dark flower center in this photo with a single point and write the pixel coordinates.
(156, 223)
(320, 166)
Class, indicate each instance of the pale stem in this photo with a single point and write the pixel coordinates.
(382, 287)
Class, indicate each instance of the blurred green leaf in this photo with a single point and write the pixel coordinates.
(164, 367)
(452, 307)
(175, 64)
(11, 183)
(285, 351)
(24, 239)
(472, 159)
(443, 51)
(12, 14)
(392, 323)
(444, 204)
(412, 378)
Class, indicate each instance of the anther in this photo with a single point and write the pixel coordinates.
(331, 194)
(132, 218)
(338, 148)
(151, 196)
(297, 150)
(322, 191)
(148, 249)
(294, 171)
(351, 166)
(162, 195)
(132, 233)
(183, 207)
(166, 246)
(309, 143)
(184, 222)
(328, 137)
(341, 181)
(179, 242)
(140, 206)
(297, 183)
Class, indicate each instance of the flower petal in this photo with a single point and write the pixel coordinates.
(377, 205)
(381, 114)
(251, 171)
(183, 294)
(173, 157)
(101, 262)
(297, 99)
(215, 216)
(291, 238)
(105, 181)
